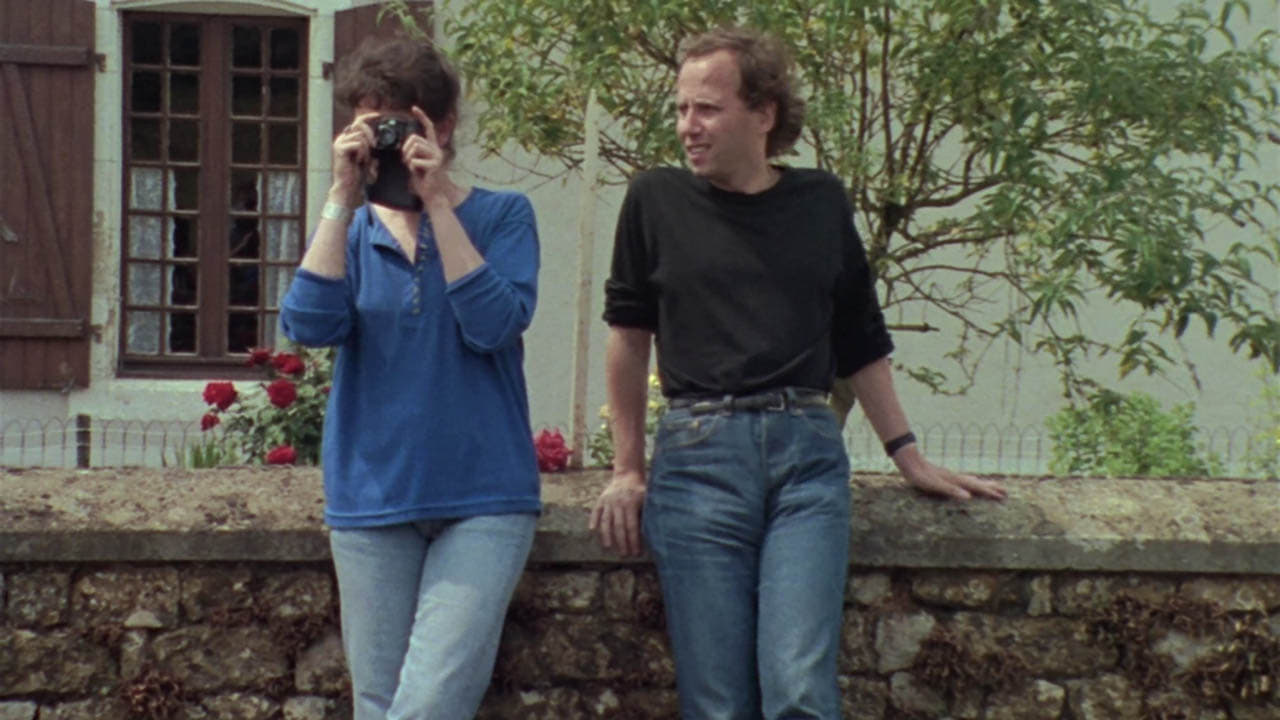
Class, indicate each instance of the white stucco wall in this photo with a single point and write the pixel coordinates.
(1012, 388)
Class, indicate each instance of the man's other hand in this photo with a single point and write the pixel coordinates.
(616, 515)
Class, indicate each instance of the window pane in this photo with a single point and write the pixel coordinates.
(182, 285)
(246, 47)
(284, 49)
(184, 140)
(282, 144)
(144, 236)
(185, 188)
(148, 43)
(284, 193)
(246, 143)
(184, 93)
(144, 139)
(242, 331)
(284, 97)
(242, 285)
(182, 236)
(246, 189)
(145, 192)
(145, 95)
(278, 279)
(143, 336)
(184, 45)
(244, 199)
(244, 239)
(144, 284)
(271, 331)
(246, 95)
(182, 332)
(284, 238)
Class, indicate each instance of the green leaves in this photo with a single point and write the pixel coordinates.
(1045, 154)
(1126, 436)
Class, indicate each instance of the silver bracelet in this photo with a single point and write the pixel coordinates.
(334, 211)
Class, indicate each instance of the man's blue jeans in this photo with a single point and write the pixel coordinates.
(422, 611)
(747, 517)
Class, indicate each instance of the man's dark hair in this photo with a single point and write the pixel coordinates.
(766, 70)
(396, 74)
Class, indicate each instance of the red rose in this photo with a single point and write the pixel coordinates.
(220, 394)
(282, 455)
(259, 356)
(549, 445)
(288, 363)
(282, 393)
(209, 421)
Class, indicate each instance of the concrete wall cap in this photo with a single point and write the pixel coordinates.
(1206, 525)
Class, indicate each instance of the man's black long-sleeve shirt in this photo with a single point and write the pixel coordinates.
(745, 292)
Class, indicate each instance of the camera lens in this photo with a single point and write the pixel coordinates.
(386, 135)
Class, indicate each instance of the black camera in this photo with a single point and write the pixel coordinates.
(389, 133)
(391, 188)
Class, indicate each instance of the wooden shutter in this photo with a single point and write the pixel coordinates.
(46, 160)
(354, 25)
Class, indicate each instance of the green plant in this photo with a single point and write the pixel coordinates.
(600, 444)
(1120, 435)
(1263, 457)
(209, 451)
(282, 424)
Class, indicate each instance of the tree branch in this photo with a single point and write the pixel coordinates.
(884, 95)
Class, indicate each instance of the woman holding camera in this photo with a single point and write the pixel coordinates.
(431, 483)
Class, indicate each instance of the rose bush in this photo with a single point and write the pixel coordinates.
(553, 454)
(282, 455)
(283, 423)
(220, 394)
(282, 393)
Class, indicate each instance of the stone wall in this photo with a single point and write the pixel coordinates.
(209, 595)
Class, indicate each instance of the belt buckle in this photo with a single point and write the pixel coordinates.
(777, 401)
(701, 407)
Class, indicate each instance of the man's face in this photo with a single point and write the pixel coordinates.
(724, 140)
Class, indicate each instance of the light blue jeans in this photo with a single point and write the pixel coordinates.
(422, 611)
(747, 517)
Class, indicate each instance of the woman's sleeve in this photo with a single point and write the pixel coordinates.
(494, 303)
(320, 311)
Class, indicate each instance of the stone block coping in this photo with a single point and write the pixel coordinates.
(1196, 525)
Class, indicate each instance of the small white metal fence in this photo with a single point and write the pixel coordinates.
(84, 442)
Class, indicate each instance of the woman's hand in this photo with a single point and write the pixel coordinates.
(351, 161)
(425, 159)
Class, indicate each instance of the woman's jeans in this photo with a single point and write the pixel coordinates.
(747, 517)
(422, 611)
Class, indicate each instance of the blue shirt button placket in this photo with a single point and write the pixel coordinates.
(421, 263)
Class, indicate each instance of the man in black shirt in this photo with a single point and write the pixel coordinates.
(753, 283)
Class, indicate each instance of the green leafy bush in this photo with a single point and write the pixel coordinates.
(1263, 458)
(209, 451)
(600, 444)
(1118, 435)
